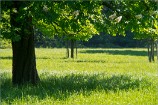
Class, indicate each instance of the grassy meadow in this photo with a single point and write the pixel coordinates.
(95, 77)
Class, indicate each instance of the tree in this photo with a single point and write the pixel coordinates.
(75, 20)
(139, 17)
(19, 19)
(147, 25)
(17, 25)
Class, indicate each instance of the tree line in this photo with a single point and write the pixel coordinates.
(98, 41)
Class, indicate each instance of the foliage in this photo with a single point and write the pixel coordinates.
(139, 17)
(80, 20)
(5, 25)
(4, 43)
(9, 31)
(47, 42)
(97, 41)
(109, 41)
(71, 19)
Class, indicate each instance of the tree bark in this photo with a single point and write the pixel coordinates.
(157, 49)
(72, 48)
(24, 61)
(76, 48)
(151, 50)
(67, 48)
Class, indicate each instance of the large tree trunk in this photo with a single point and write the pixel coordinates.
(24, 61)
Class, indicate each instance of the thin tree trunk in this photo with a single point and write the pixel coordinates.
(157, 49)
(67, 49)
(149, 55)
(72, 48)
(24, 61)
(152, 50)
(76, 48)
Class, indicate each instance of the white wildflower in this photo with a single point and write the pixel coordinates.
(118, 19)
(113, 16)
(138, 16)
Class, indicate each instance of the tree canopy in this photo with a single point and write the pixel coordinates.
(139, 17)
(81, 19)
(75, 20)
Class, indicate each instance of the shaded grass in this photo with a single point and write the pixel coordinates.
(117, 52)
(61, 87)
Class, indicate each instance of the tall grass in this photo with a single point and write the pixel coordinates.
(97, 76)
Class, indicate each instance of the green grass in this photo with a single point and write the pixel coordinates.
(97, 76)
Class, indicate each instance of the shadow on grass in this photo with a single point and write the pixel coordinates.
(7, 57)
(118, 52)
(10, 57)
(83, 61)
(62, 87)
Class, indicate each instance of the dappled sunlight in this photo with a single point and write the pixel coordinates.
(63, 86)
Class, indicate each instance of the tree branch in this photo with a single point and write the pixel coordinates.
(60, 27)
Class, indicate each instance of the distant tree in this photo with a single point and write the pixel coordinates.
(108, 41)
(140, 17)
(75, 20)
